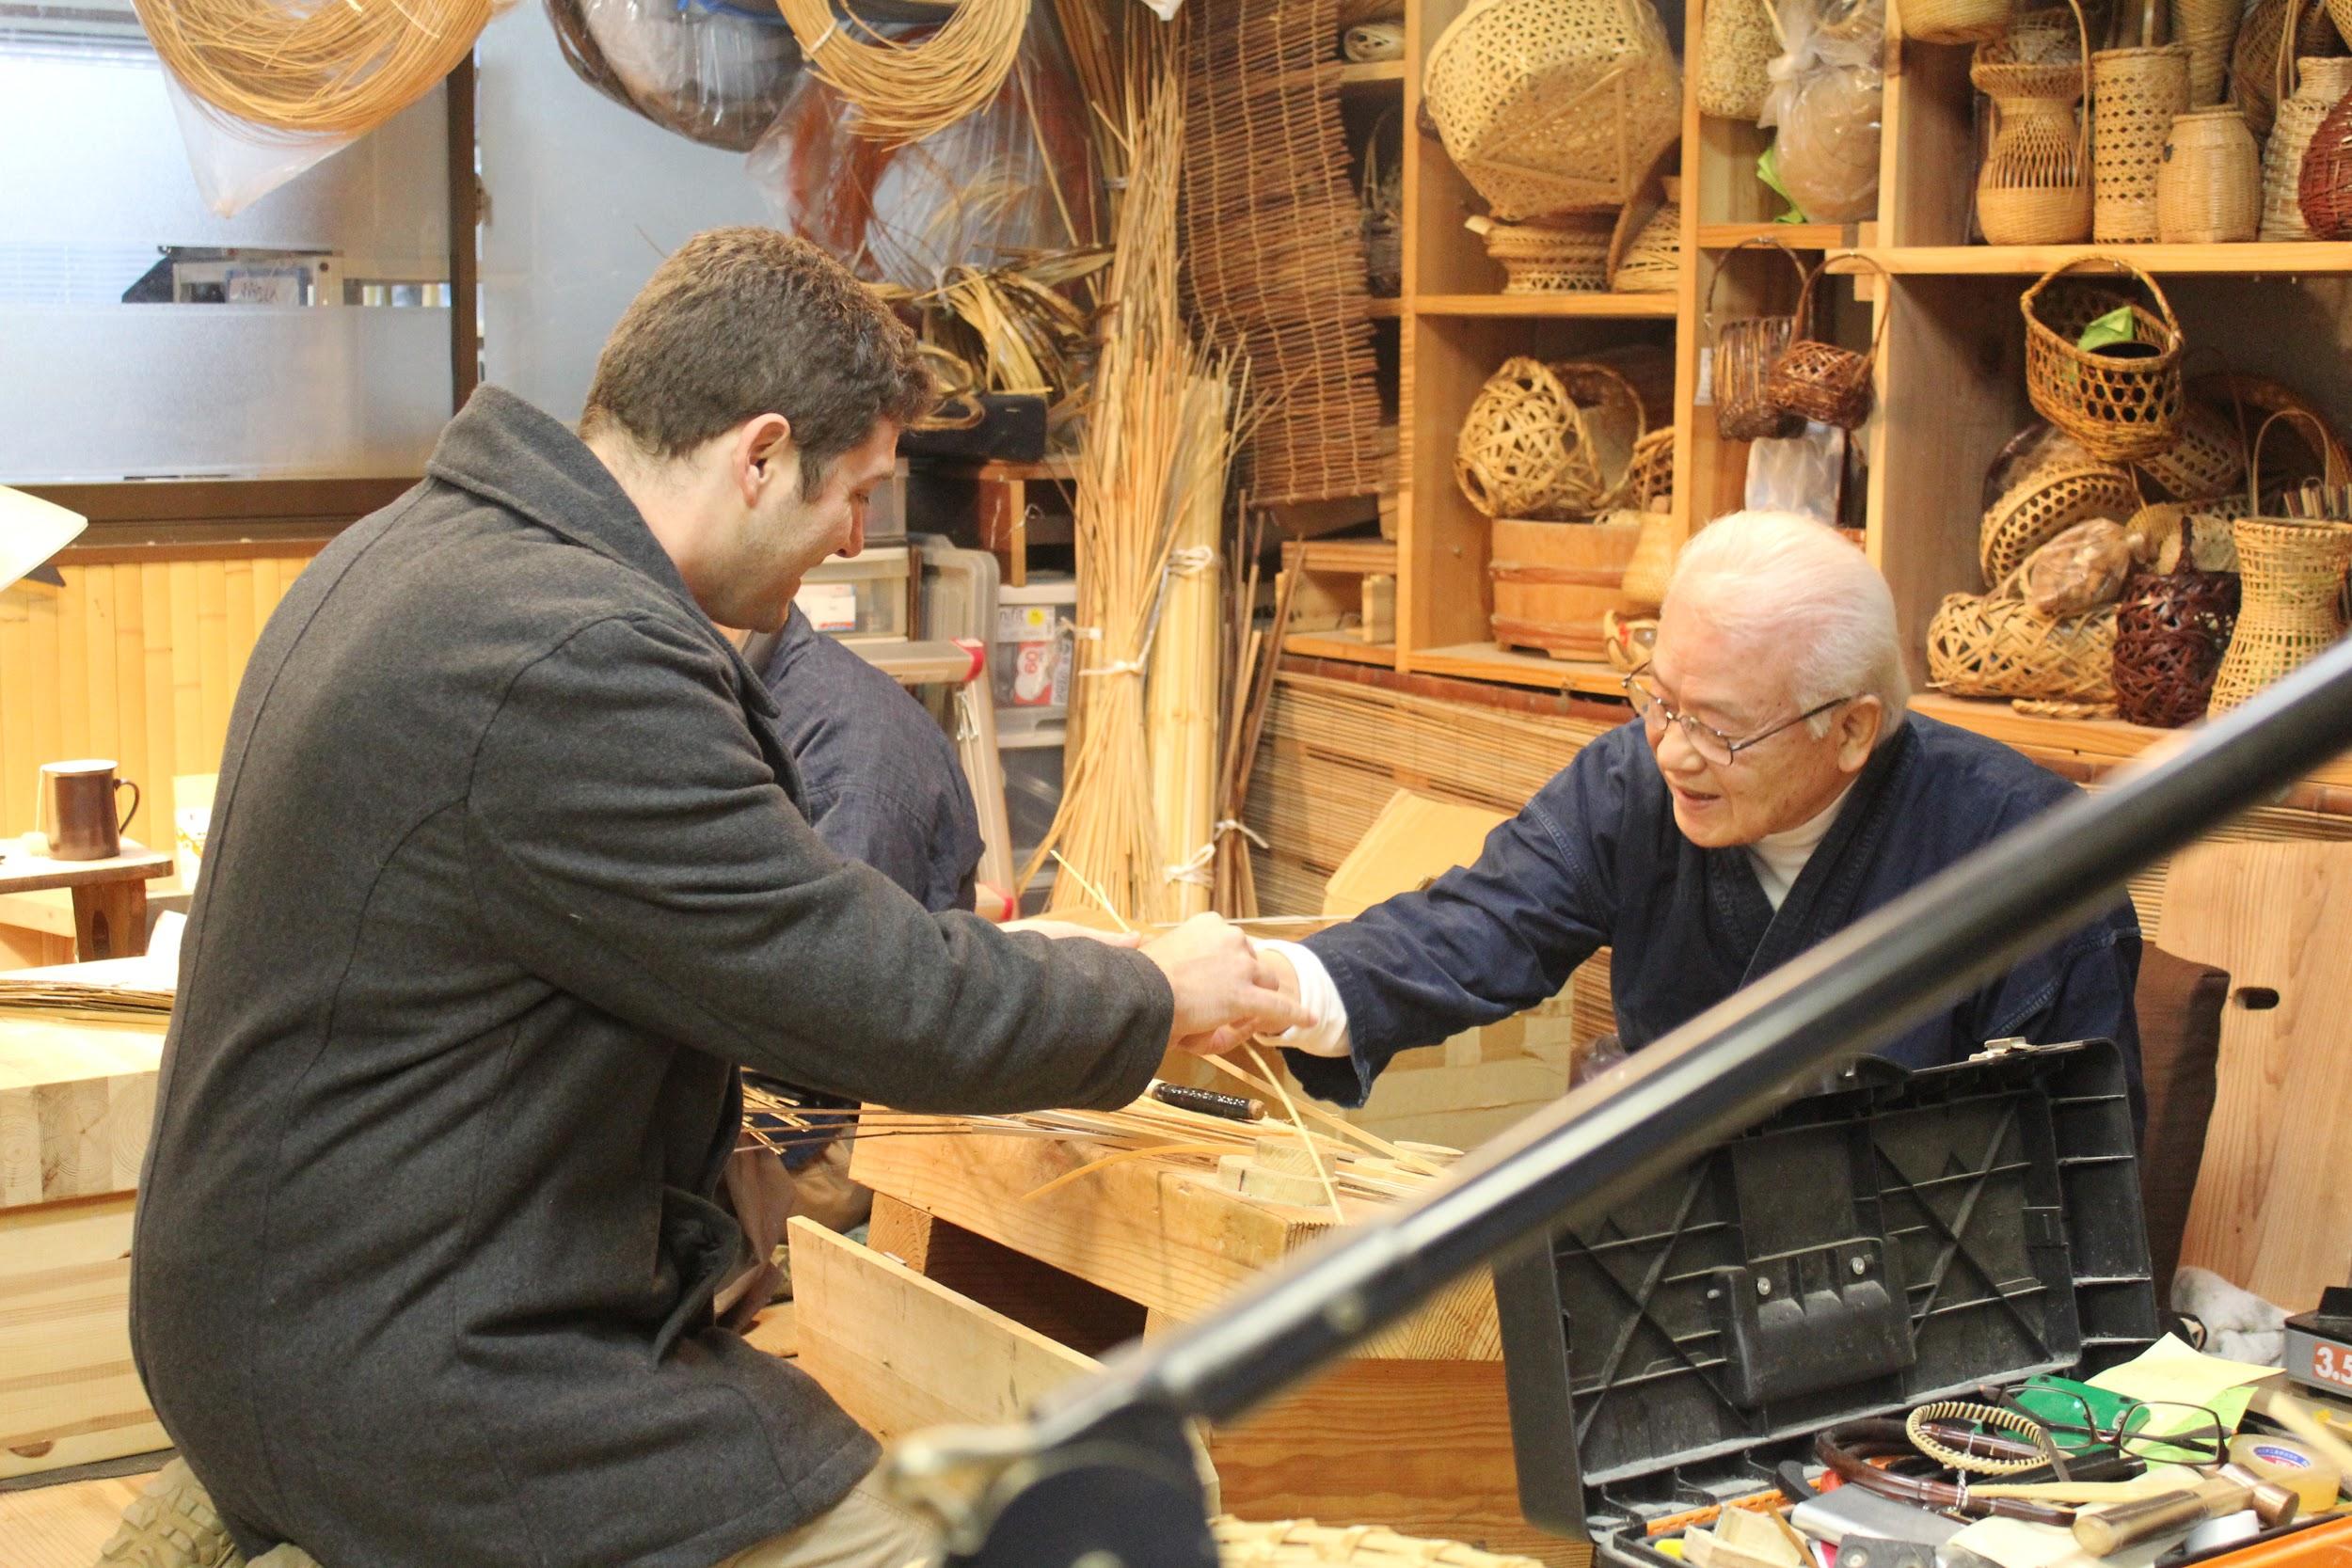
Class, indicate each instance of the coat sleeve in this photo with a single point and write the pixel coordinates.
(633, 847)
(2081, 989)
(1481, 941)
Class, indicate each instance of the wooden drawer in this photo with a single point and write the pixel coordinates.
(68, 1393)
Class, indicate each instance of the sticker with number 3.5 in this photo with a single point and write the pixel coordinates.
(2331, 1364)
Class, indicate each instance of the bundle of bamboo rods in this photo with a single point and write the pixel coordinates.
(1182, 711)
(1251, 657)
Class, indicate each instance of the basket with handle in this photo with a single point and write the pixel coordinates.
(1737, 40)
(1997, 645)
(2120, 405)
(2034, 187)
(2170, 630)
(2292, 606)
(1820, 381)
(2300, 27)
(1552, 105)
(2318, 85)
(1745, 348)
(2135, 95)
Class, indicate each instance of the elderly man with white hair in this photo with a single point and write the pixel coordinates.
(1770, 790)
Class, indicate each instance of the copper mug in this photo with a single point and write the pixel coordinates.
(80, 798)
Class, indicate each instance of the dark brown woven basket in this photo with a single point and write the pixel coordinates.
(1822, 381)
(2170, 631)
(1745, 350)
(2323, 190)
(2122, 410)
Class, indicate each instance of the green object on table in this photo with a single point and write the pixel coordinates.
(2061, 1401)
(2113, 327)
(1768, 170)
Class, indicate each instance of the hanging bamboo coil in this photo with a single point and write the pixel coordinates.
(324, 69)
(2321, 85)
(1554, 105)
(906, 92)
(2135, 94)
(1549, 440)
(2118, 406)
(1737, 40)
(2045, 505)
(1997, 645)
(2210, 191)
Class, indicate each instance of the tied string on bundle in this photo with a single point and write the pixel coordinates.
(1194, 868)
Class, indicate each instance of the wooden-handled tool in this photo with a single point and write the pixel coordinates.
(2105, 1531)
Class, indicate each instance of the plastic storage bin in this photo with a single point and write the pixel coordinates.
(1029, 658)
(859, 599)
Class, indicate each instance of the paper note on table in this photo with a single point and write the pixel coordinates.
(2169, 1370)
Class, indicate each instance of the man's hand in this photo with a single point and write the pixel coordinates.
(1226, 991)
(1059, 929)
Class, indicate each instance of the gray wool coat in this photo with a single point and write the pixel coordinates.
(505, 878)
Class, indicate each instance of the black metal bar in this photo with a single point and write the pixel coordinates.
(1719, 1072)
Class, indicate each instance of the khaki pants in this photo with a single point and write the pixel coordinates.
(865, 1529)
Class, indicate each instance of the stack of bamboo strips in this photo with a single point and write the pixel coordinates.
(1273, 245)
(1251, 655)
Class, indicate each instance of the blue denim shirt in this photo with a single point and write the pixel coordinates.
(882, 781)
(1594, 860)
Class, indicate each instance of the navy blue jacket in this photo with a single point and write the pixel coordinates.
(883, 780)
(1594, 860)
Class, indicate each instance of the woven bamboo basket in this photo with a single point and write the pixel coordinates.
(2322, 84)
(1555, 581)
(2292, 608)
(1994, 645)
(2210, 190)
(2170, 631)
(1745, 348)
(1737, 40)
(2231, 391)
(2120, 408)
(1820, 381)
(2135, 95)
(2324, 189)
(1953, 21)
(1646, 252)
(2045, 505)
(1560, 256)
(1552, 106)
(2207, 459)
(1549, 440)
(2209, 29)
(2034, 187)
(2267, 25)
(1650, 480)
(1304, 1543)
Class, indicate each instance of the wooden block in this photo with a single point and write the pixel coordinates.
(76, 1100)
(67, 1392)
(1052, 1302)
(899, 1230)
(902, 1353)
(1380, 613)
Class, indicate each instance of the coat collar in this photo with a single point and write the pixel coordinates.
(514, 456)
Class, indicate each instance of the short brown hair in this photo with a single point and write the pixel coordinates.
(748, 321)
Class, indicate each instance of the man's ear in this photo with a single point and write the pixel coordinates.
(760, 448)
(1860, 723)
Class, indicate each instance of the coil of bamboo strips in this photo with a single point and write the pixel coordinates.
(2323, 84)
(906, 92)
(339, 69)
(2135, 94)
(2209, 191)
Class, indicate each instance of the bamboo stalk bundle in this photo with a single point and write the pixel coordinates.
(905, 91)
(1181, 696)
(1251, 659)
(326, 67)
(1274, 246)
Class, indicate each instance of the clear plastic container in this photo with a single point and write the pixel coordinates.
(1029, 658)
(861, 599)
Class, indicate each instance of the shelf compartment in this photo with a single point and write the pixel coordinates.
(1309, 644)
(1488, 661)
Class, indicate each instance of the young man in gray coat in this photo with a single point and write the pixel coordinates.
(507, 878)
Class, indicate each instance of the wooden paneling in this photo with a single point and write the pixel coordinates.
(136, 659)
(69, 1394)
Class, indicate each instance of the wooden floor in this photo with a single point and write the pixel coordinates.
(63, 1527)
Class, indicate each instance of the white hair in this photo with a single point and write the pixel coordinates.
(1776, 574)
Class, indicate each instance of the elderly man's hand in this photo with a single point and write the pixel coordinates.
(1226, 991)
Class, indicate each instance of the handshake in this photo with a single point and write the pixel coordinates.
(1227, 989)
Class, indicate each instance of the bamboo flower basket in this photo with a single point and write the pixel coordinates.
(2135, 94)
(2293, 573)
(2120, 406)
(2321, 83)
(1997, 645)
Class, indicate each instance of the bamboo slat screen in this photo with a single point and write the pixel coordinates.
(134, 660)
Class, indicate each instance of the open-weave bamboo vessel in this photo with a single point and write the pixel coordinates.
(1650, 480)
(1549, 440)
(2323, 84)
(2324, 189)
(2170, 631)
(1566, 254)
(2034, 187)
(2293, 572)
(2136, 93)
(1996, 646)
(2044, 505)
(1304, 1543)
(1745, 349)
(1552, 105)
(2121, 409)
(1737, 43)
(2207, 459)
(1822, 381)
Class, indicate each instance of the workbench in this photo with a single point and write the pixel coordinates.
(109, 895)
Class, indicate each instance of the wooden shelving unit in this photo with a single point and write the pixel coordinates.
(1951, 386)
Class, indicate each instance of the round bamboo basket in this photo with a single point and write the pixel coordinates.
(2300, 27)
(1304, 1543)
(2120, 408)
(1567, 255)
(1737, 40)
(1552, 106)
(2170, 631)
(1548, 440)
(2206, 459)
(2322, 84)
(2135, 94)
(1996, 646)
(2044, 505)
(1953, 21)
(2324, 188)
(2208, 28)
(2210, 190)
(1649, 478)
(1653, 261)
(1745, 348)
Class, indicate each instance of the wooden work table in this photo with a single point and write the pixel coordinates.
(109, 895)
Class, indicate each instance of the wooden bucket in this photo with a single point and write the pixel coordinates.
(1555, 581)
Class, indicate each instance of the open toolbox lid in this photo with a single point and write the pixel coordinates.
(1904, 1237)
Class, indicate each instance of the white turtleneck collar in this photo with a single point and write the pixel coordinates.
(1779, 858)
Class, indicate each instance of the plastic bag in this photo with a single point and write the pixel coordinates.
(709, 71)
(1825, 99)
(2078, 571)
(236, 164)
(1804, 474)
